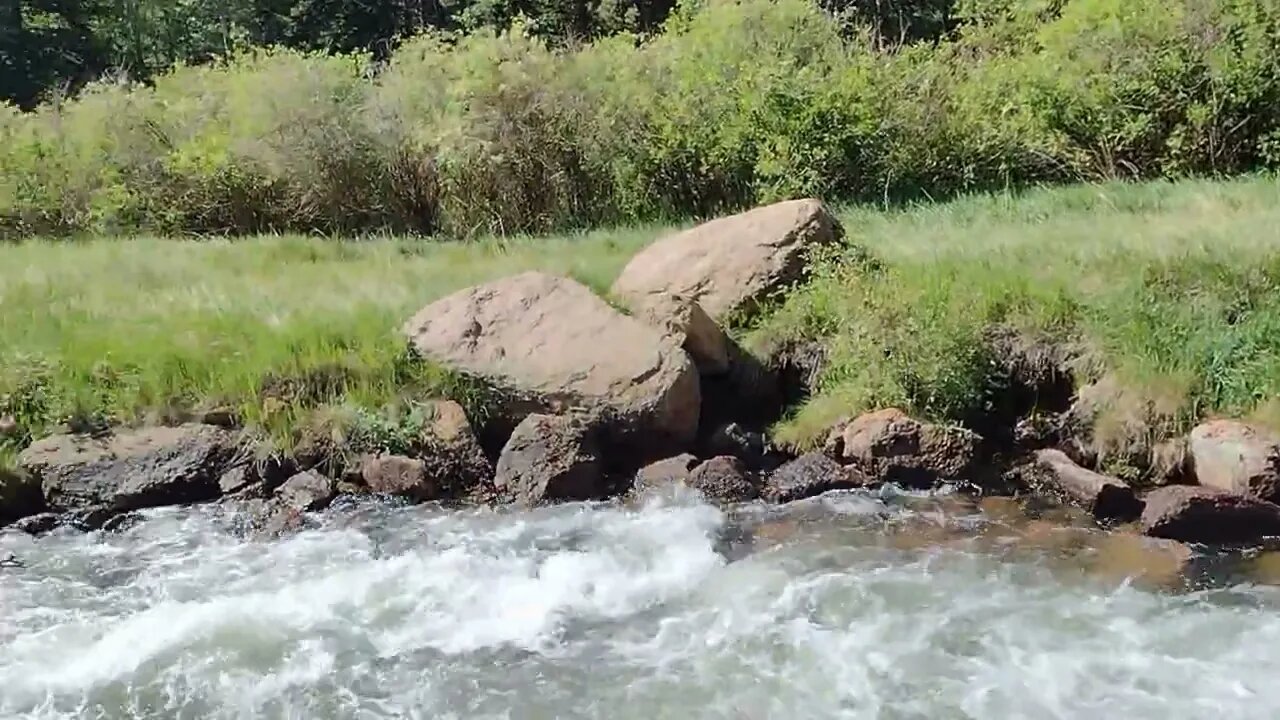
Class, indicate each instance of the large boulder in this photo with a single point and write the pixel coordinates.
(132, 469)
(1207, 515)
(1106, 498)
(730, 265)
(552, 458)
(889, 446)
(1237, 457)
(810, 475)
(548, 344)
(689, 326)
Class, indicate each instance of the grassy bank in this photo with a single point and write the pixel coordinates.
(290, 332)
(735, 102)
(1163, 298)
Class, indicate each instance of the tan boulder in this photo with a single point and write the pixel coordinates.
(688, 325)
(732, 264)
(1237, 457)
(548, 344)
(1207, 515)
(552, 458)
(890, 446)
(1106, 498)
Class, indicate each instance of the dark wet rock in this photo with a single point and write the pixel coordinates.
(20, 495)
(1237, 457)
(39, 524)
(121, 522)
(735, 440)
(809, 475)
(1106, 498)
(673, 470)
(236, 479)
(132, 469)
(454, 463)
(1206, 515)
(889, 446)
(90, 518)
(724, 479)
(222, 417)
(552, 458)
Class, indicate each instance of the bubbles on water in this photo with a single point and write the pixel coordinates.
(852, 605)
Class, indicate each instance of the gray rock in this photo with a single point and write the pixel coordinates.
(673, 470)
(724, 479)
(552, 458)
(131, 469)
(810, 475)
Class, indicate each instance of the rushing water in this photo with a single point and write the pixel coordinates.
(848, 606)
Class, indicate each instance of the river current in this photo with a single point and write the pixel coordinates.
(855, 605)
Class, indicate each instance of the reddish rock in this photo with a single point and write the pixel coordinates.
(1206, 515)
(1237, 457)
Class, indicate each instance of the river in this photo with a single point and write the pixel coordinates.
(855, 605)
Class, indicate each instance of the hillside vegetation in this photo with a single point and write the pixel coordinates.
(496, 132)
(1163, 299)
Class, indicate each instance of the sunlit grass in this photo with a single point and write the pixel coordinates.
(1163, 298)
(1166, 296)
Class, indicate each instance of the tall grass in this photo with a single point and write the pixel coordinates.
(736, 102)
(1161, 300)
(286, 332)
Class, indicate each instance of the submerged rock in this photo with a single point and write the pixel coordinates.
(1106, 498)
(809, 475)
(131, 469)
(547, 344)
(731, 265)
(889, 446)
(1237, 457)
(39, 524)
(552, 458)
(1207, 515)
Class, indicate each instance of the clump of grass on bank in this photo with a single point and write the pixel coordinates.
(736, 102)
(287, 331)
(1163, 298)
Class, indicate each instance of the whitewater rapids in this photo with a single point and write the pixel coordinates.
(848, 606)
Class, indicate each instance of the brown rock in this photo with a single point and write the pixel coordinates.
(809, 475)
(454, 464)
(724, 479)
(665, 472)
(305, 492)
(398, 475)
(731, 265)
(132, 469)
(1206, 515)
(889, 446)
(547, 344)
(688, 325)
(1153, 561)
(1237, 457)
(1106, 498)
(551, 458)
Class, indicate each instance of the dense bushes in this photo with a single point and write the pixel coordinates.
(734, 103)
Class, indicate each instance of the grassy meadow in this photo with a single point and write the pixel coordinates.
(1162, 298)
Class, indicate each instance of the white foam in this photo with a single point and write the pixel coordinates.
(590, 611)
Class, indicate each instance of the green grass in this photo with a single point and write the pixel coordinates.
(282, 329)
(1163, 298)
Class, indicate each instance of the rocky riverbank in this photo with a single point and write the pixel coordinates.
(588, 400)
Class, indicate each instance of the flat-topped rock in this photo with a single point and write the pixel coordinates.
(131, 469)
(548, 344)
(732, 264)
(1208, 515)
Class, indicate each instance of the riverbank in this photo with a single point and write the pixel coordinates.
(1160, 298)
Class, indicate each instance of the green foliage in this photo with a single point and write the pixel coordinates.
(736, 102)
